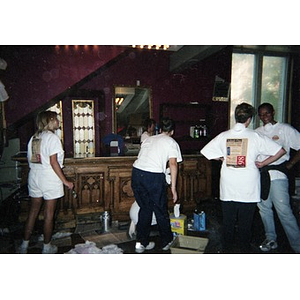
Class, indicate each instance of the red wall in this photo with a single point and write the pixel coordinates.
(37, 74)
(151, 68)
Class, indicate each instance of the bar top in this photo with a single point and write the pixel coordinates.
(72, 160)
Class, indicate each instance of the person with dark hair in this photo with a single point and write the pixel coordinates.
(150, 187)
(238, 149)
(148, 129)
(111, 139)
(45, 179)
(289, 138)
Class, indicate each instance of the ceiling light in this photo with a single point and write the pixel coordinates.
(156, 47)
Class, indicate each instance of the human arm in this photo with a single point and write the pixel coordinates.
(214, 149)
(57, 169)
(293, 160)
(270, 159)
(174, 170)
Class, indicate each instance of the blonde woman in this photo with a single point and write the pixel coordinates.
(45, 179)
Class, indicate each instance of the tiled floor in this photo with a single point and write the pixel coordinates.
(11, 234)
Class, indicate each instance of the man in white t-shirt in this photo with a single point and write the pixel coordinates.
(238, 148)
(149, 185)
(148, 129)
(289, 138)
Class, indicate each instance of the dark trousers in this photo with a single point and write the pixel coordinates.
(241, 214)
(151, 195)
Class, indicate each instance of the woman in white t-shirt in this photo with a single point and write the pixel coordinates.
(45, 179)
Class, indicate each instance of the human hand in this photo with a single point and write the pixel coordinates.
(289, 165)
(174, 193)
(259, 164)
(69, 185)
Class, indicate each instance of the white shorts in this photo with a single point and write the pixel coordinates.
(45, 183)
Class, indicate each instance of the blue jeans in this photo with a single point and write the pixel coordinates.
(150, 192)
(279, 197)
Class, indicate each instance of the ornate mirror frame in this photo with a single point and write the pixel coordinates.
(131, 105)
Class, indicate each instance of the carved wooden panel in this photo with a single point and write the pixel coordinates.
(90, 190)
(122, 194)
(194, 180)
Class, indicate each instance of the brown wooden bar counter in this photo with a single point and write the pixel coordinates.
(104, 183)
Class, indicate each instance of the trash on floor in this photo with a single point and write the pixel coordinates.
(57, 235)
(91, 248)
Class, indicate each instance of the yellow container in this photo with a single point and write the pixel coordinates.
(178, 225)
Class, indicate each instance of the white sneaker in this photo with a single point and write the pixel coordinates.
(49, 249)
(22, 250)
(167, 247)
(139, 248)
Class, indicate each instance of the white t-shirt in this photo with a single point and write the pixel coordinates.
(240, 147)
(155, 153)
(284, 135)
(145, 135)
(50, 144)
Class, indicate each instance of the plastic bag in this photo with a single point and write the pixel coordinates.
(91, 248)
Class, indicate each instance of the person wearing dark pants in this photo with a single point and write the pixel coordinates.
(150, 188)
(151, 196)
(238, 149)
(242, 213)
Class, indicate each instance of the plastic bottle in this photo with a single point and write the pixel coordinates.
(203, 127)
(106, 221)
(202, 221)
(156, 129)
(204, 130)
(196, 220)
(196, 132)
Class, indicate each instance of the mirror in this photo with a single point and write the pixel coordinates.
(131, 107)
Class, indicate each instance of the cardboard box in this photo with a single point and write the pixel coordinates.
(178, 225)
(188, 245)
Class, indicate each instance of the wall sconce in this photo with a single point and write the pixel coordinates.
(119, 101)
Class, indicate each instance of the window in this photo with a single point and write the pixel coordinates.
(273, 83)
(83, 128)
(258, 78)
